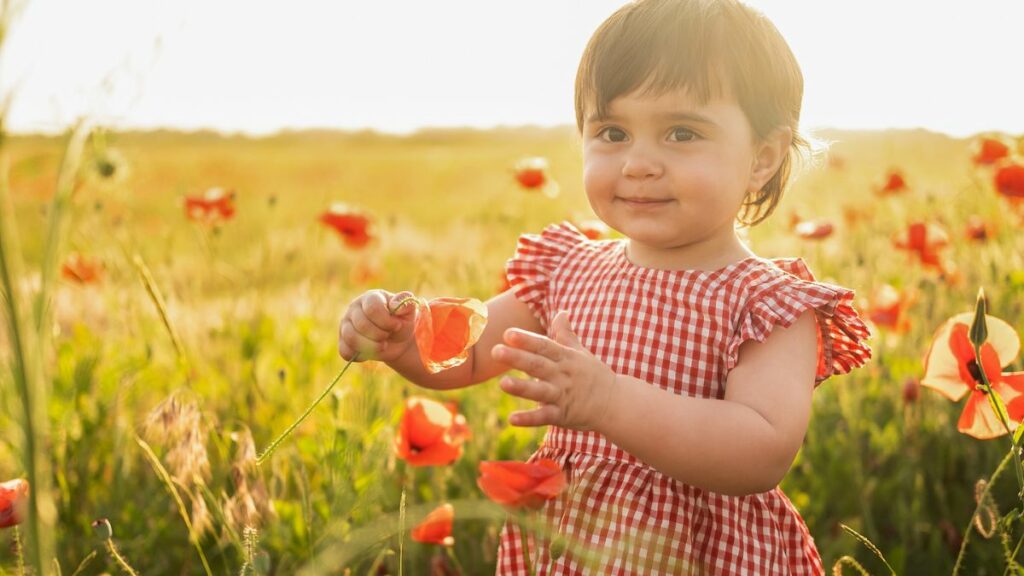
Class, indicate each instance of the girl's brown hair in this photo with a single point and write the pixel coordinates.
(707, 47)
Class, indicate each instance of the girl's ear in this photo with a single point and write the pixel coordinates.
(769, 152)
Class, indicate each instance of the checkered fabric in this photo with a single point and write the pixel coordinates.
(681, 331)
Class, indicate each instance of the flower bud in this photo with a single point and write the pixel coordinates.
(911, 390)
(103, 528)
(979, 328)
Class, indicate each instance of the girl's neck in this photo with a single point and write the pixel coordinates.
(706, 255)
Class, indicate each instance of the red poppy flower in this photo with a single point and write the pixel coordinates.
(215, 205)
(836, 162)
(445, 330)
(531, 173)
(430, 433)
(352, 226)
(989, 151)
(952, 370)
(853, 215)
(924, 240)
(436, 528)
(13, 500)
(81, 269)
(521, 484)
(888, 306)
(813, 229)
(894, 184)
(1010, 182)
(593, 229)
(977, 229)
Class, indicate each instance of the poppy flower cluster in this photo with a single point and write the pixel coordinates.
(352, 226)
(952, 369)
(13, 500)
(215, 206)
(1007, 171)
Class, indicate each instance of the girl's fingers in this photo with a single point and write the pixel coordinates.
(533, 364)
(536, 343)
(367, 328)
(536, 390)
(545, 415)
(375, 309)
(356, 342)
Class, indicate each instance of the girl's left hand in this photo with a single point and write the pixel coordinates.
(574, 388)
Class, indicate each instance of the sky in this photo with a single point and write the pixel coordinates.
(259, 67)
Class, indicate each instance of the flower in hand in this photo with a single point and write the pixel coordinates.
(446, 328)
(574, 387)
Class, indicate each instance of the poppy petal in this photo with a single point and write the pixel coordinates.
(978, 419)
(942, 368)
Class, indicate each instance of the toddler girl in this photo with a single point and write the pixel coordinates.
(674, 368)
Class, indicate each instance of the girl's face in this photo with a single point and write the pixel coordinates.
(671, 175)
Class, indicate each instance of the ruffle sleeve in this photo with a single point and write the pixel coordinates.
(536, 259)
(778, 297)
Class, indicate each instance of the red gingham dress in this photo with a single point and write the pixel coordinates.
(681, 331)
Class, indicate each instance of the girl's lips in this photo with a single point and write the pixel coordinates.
(644, 203)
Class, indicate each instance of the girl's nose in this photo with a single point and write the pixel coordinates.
(641, 163)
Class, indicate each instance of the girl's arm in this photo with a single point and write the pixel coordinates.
(504, 311)
(741, 445)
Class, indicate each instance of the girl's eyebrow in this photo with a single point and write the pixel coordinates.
(664, 117)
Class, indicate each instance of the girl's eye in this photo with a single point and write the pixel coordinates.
(612, 134)
(684, 134)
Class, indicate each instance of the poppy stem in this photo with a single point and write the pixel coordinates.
(400, 304)
(970, 522)
(450, 550)
(118, 559)
(19, 551)
(1000, 409)
(525, 543)
(273, 445)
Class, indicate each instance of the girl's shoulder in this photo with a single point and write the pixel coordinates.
(775, 292)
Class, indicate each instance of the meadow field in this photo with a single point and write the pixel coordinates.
(246, 340)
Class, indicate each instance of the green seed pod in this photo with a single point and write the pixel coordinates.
(557, 548)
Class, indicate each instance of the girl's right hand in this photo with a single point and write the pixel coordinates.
(371, 329)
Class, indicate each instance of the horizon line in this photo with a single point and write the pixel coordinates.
(421, 130)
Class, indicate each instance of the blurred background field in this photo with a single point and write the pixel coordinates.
(257, 300)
